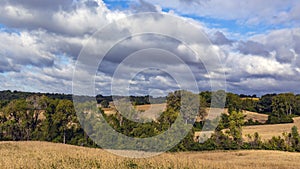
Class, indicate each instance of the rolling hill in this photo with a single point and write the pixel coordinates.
(268, 131)
(53, 155)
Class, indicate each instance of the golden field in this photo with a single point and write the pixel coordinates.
(265, 131)
(148, 111)
(52, 155)
(151, 111)
(262, 118)
(268, 131)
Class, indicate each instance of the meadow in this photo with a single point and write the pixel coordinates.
(265, 131)
(46, 155)
(268, 131)
(59, 115)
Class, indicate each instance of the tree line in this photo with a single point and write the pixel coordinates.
(44, 118)
(6, 96)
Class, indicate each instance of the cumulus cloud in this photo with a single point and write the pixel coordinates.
(74, 19)
(252, 12)
(253, 48)
(7, 66)
(220, 39)
(143, 6)
(40, 48)
(43, 5)
(284, 43)
(270, 60)
(23, 49)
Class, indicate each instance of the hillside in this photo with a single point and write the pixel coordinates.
(51, 155)
(262, 118)
(268, 131)
(265, 131)
(149, 111)
(152, 111)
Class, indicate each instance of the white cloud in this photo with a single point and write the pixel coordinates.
(40, 55)
(77, 19)
(252, 12)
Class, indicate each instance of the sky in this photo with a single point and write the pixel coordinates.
(249, 47)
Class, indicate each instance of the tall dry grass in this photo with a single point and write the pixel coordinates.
(50, 155)
(268, 131)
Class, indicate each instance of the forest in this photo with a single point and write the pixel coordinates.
(52, 117)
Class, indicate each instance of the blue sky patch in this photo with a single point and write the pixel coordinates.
(117, 4)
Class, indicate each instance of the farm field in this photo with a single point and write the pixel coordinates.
(52, 155)
(268, 131)
(262, 118)
(153, 111)
(265, 131)
(251, 115)
(149, 111)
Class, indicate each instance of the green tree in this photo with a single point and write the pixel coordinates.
(264, 105)
(283, 104)
(295, 138)
(297, 105)
(187, 103)
(104, 104)
(218, 99)
(64, 118)
(249, 104)
(282, 108)
(236, 121)
(190, 106)
(174, 101)
(19, 118)
(202, 109)
(206, 95)
(255, 141)
(233, 102)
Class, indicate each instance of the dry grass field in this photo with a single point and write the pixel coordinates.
(146, 107)
(267, 131)
(151, 111)
(250, 98)
(51, 155)
(262, 118)
(148, 111)
(109, 111)
(248, 114)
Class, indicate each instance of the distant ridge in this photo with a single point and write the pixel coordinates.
(8, 95)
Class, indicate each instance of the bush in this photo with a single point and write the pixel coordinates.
(250, 122)
(278, 120)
